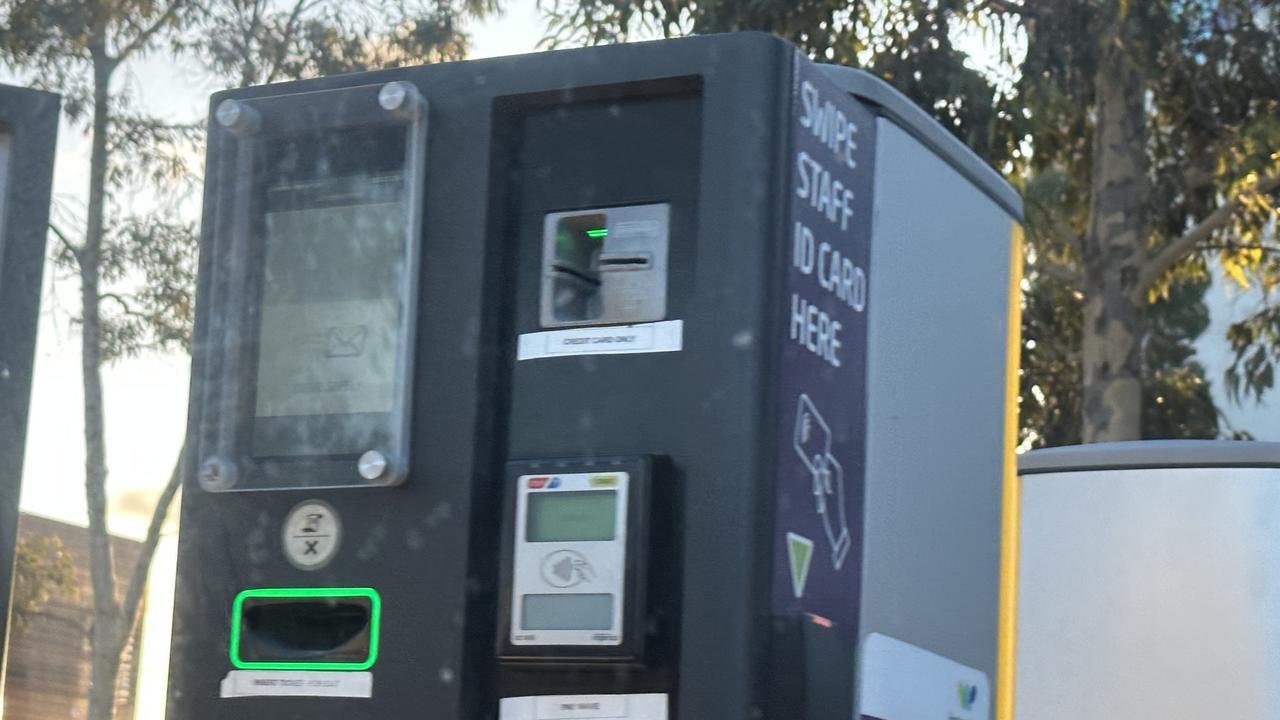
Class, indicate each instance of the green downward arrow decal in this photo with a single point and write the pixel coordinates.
(800, 551)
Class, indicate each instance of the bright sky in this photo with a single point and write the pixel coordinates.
(146, 397)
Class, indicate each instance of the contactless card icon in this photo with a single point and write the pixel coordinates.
(566, 569)
(812, 442)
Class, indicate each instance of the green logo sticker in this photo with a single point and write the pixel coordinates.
(604, 481)
(800, 552)
(967, 694)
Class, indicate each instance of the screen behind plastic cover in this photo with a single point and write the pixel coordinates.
(333, 236)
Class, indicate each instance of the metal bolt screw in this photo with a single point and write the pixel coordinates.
(372, 465)
(393, 95)
(215, 474)
(400, 98)
(237, 117)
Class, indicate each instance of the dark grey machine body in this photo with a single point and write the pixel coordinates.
(28, 131)
(705, 126)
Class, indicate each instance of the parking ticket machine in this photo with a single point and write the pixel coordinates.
(28, 129)
(620, 382)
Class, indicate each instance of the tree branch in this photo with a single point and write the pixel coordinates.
(124, 304)
(286, 40)
(1175, 251)
(1065, 236)
(1264, 249)
(248, 68)
(1063, 273)
(1194, 178)
(1069, 240)
(142, 567)
(144, 36)
(69, 246)
(1006, 7)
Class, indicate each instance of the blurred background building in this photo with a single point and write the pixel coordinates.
(48, 662)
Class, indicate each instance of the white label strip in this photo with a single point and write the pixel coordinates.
(297, 683)
(645, 706)
(903, 682)
(666, 336)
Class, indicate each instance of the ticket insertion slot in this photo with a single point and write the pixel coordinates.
(305, 629)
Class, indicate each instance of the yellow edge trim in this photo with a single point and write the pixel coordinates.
(1007, 624)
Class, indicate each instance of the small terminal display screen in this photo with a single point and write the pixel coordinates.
(574, 516)
(567, 612)
(331, 300)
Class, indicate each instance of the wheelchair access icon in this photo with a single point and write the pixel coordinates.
(812, 442)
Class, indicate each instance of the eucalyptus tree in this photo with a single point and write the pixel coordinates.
(1157, 123)
(77, 47)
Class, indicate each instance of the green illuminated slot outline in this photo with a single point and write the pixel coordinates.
(598, 232)
(375, 621)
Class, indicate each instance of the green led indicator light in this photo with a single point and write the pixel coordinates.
(597, 232)
(375, 620)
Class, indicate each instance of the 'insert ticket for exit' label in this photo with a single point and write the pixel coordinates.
(297, 683)
(643, 706)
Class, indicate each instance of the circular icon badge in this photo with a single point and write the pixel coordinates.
(566, 568)
(311, 534)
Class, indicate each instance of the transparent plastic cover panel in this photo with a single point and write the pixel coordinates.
(308, 360)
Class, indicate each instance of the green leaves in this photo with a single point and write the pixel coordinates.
(147, 267)
(154, 155)
(1177, 403)
(1049, 396)
(1256, 343)
(43, 571)
(253, 42)
(155, 258)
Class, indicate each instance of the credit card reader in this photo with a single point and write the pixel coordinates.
(576, 561)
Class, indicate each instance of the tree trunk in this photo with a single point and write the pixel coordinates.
(1114, 250)
(105, 654)
(105, 668)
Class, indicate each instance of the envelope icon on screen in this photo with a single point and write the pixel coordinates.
(345, 340)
